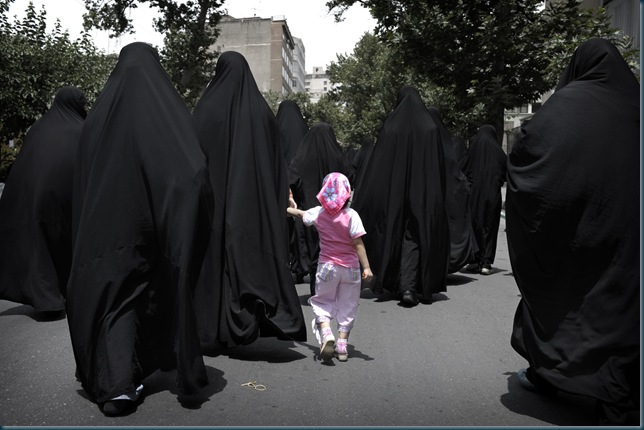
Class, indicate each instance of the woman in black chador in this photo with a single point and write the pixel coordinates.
(573, 227)
(401, 200)
(140, 232)
(457, 202)
(361, 161)
(485, 168)
(318, 155)
(245, 289)
(36, 208)
(293, 128)
(460, 150)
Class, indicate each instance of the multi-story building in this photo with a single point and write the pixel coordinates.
(275, 57)
(299, 70)
(317, 83)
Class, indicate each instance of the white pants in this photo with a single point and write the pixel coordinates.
(337, 294)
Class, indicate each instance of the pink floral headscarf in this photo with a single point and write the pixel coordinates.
(334, 193)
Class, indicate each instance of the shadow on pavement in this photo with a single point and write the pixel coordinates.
(30, 312)
(167, 381)
(267, 349)
(161, 381)
(563, 410)
(354, 354)
(458, 279)
(304, 299)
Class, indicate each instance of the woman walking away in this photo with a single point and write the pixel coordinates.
(485, 168)
(400, 195)
(140, 230)
(573, 227)
(338, 280)
(237, 299)
(36, 209)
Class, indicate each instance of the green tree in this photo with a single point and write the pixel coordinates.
(488, 54)
(367, 84)
(34, 65)
(190, 29)
(326, 110)
(568, 26)
(303, 100)
(337, 116)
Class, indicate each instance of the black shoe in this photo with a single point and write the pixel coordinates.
(473, 268)
(113, 408)
(486, 269)
(409, 298)
(529, 380)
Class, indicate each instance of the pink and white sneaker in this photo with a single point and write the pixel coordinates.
(328, 342)
(341, 350)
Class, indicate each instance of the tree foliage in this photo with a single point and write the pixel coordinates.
(490, 55)
(190, 29)
(325, 110)
(567, 27)
(34, 65)
(368, 82)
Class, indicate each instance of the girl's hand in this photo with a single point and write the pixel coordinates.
(367, 275)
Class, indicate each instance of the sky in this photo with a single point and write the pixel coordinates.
(306, 19)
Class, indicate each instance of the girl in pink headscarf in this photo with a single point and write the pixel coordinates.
(342, 252)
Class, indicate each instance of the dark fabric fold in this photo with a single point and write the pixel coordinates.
(463, 245)
(401, 200)
(245, 289)
(573, 228)
(485, 168)
(293, 128)
(36, 208)
(142, 223)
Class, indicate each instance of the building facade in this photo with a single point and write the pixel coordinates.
(299, 69)
(275, 57)
(317, 83)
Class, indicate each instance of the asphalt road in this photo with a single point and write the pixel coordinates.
(448, 363)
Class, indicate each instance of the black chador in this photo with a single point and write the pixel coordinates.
(245, 289)
(401, 199)
(573, 227)
(141, 187)
(485, 168)
(36, 208)
(293, 128)
(457, 202)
